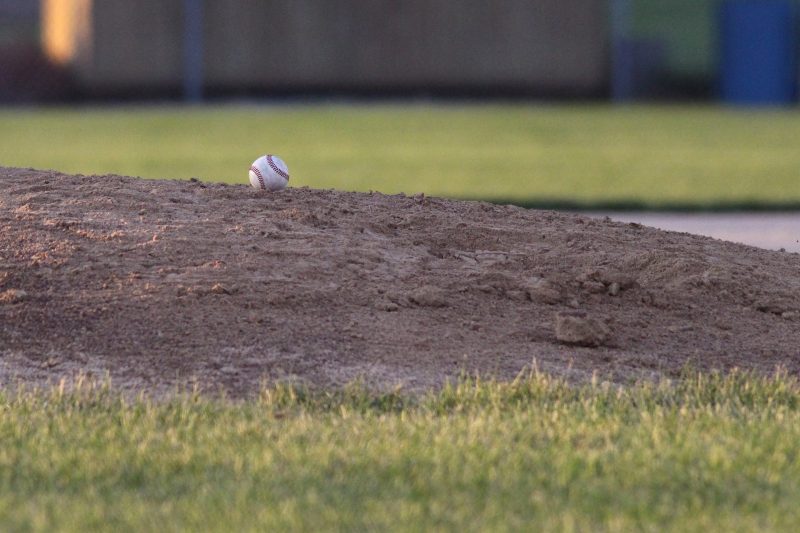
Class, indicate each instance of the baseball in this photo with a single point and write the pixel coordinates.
(269, 172)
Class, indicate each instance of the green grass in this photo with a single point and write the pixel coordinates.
(707, 453)
(534, 155)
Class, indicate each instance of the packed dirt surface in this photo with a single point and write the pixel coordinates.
(168, 283)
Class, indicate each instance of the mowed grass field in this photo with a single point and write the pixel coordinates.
(706, 453)
(703, 453)
(529, 154)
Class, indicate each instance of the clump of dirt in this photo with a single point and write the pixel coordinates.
(576, 327)
(161, 283)
(12, 296)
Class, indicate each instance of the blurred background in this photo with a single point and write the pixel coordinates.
(683, 105)
(623, 49)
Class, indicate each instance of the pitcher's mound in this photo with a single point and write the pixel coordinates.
(162, 283)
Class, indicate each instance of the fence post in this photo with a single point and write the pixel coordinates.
(193, 50)
(621, 64)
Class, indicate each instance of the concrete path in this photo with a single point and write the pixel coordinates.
(772, 231)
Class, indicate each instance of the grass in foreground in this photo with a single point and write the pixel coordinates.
(535, 155)
(715, 452)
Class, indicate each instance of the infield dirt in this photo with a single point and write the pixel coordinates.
(168, 283)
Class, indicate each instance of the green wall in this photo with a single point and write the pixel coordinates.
(689, 29)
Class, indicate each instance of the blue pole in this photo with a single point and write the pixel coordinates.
(621, 66)
(193, 50)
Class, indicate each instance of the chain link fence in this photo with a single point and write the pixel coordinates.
(26, 74)
(217, 48)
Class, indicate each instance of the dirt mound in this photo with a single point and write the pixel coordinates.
(165, 282)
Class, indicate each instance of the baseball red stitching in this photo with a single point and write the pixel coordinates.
(275, 167)
(257, 172)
